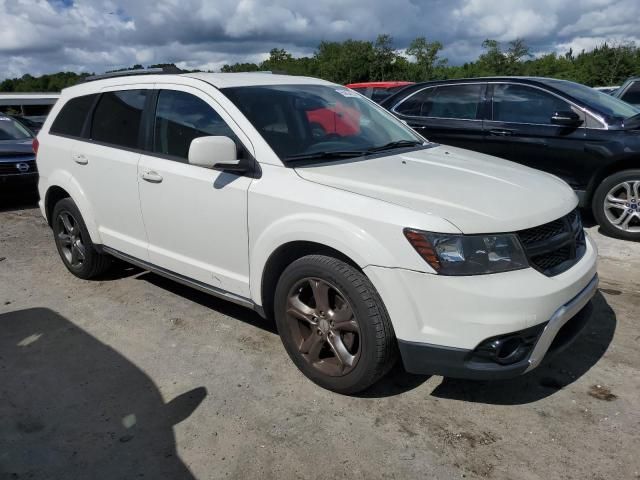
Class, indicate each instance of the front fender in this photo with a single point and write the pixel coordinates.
(336, 233)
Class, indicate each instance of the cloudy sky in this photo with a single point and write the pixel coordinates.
(45, 36)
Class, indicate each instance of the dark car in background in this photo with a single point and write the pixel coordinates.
(588, 138)
(32, 123)
(629, 91)
(378, 91)
(17, 160)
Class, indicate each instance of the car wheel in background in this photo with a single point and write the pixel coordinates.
(616, 205)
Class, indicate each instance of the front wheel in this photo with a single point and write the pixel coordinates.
(333, 324)
(616, 205)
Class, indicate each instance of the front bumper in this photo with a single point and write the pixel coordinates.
(439, 320)
(551, 337)
(19, 179)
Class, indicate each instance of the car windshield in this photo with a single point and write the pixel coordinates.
(319, 121)
(379, 94)
(612, 107)
(12, 130)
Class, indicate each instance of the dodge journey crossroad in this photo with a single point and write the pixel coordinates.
(311, 204)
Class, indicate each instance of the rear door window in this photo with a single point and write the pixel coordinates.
(117, 117)
(448, 101)
(523, 104)
(72, 116)
(455, 101)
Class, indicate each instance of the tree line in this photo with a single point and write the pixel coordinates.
(359, 61)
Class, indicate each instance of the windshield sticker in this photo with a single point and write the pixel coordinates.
(347, 92)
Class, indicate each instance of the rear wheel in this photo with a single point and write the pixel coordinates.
(333, 324)
(616, 205)
(73, 242)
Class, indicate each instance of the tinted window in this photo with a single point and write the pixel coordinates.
(380, 94)
(117, 118)
(71, 117)
(414, 104)
(522, 104)
(632, 94)
(361, 90)
(451, 101)
(12, 130)
(454, 101)
(181, 117)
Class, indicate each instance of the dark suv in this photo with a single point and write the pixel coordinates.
(588, 138)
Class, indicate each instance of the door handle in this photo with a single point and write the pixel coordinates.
(152, 177)
(80, 159)
(418, 127)
(500, 133)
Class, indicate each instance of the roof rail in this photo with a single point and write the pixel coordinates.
(138, 71)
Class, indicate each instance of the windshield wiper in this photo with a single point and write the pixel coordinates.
(396, 144)
(325, 155)
(339, 154)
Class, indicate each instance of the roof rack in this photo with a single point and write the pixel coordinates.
(138, 71)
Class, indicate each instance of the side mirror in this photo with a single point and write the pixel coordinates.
(567, 119)
(219, 153)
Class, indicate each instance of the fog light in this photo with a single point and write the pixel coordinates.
(507, 349)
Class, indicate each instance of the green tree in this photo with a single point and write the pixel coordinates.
(344, 62)
(383, 57)
(240, 67)
(427, 57)
(357, 60)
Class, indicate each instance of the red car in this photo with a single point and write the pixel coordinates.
(338, 119)
(377, 91)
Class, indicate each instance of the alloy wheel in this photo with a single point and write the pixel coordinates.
(622, 206)
(324, 327)
(70, 239)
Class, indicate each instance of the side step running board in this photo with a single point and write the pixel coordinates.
(203, 287)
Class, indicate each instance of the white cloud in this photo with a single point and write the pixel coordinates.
(38, 36)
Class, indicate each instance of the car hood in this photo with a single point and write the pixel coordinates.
(477, 193)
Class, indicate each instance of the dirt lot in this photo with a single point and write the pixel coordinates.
(134, 376)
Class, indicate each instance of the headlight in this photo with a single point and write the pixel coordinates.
(451, 254)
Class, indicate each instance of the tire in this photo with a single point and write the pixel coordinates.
(624, 187)
(349, 314)
(73, 242)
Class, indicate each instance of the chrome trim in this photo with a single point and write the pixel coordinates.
(559, 318)
(189, 282)
(586, 111)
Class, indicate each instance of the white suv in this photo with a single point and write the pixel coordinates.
(309, 203)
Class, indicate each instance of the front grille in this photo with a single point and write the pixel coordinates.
(11, 168)
(556, 246)
(542, 233)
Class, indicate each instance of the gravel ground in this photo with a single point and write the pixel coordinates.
(135, 376)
